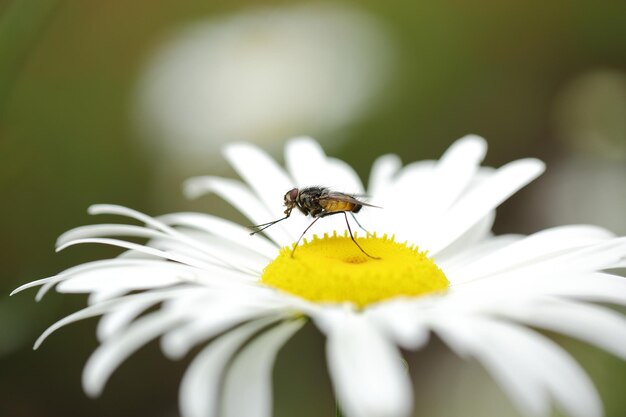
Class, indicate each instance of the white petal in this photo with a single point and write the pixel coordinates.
(366, 370)
(599, 287)
(471, 238)
(136, 247)
(152, 297)
(479, 201)
(264, 176)
(127, 278)
(109, 355)
(597, 325)
(452, 261)
(100, 296)
(50, 282)
(248, 384)
(207, 251)
(596, 257)
(215, 250)
(403, 193)
(88, 267)
(537, 247)
(308, 164)
(401, 320)
(383, 170)
(513, 377)
(101, 230)
(527, 366)
(492, 292)
(202, 381)
(544, 273)
(113, 322)
(207, 322)
(345, 176)
(134, 214)
(453, 173)
(225, 228)
(243, 200)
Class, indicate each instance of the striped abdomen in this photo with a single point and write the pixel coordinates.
(336, 205)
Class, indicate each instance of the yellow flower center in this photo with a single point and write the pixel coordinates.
(334, 270)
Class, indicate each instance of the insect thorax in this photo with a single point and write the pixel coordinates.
(308, 200)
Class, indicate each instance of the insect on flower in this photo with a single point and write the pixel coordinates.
(320, 202)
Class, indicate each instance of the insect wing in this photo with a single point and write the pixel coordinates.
(336, 196)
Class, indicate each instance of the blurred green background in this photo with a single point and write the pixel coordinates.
(543, 79)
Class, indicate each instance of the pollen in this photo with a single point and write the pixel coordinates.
(332, 269)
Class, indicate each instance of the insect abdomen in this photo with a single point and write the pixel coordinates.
(334, 205)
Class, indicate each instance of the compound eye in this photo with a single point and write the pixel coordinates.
(291, 195)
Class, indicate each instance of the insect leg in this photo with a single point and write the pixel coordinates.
(352, 237)
(349, 231)
(359, 224)
(260, 227)
(302, 235)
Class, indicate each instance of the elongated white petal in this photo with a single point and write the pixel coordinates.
(453, 173)
(102, 230)
(411, 176)
(248, 384)
(510, 374)
(349, 179)
(188, 260)
(50, 282)
(534, 248)
(402, 320)
(107, 306)
(597, 325)
(124, 277)
(366, 370)
(223, 253)
(264, 176)
(528, 366)
(109, 355)
(199, 389)
(475, 235)
(546, 272)
(198, 248)
(452, 261)
(308, 164)
(224, 228)
(474, 205)
(113, 322)
(599, 287)
(604, 255)
(381, 176)
(207, 323)
(492, 292)
(183, 271)
(96, 297)
(240, 196)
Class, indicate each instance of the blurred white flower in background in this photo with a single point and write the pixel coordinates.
(590, 121)
(591, 114)
(260, 75)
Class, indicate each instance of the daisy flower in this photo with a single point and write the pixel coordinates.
(200, 280)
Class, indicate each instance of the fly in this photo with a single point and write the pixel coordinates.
(319, 202)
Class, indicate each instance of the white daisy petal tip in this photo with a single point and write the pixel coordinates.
(26, 286)
(302, 139)
(195, 187)
(95, 209)
(534, 166)
(231, 150)
(474, 144)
